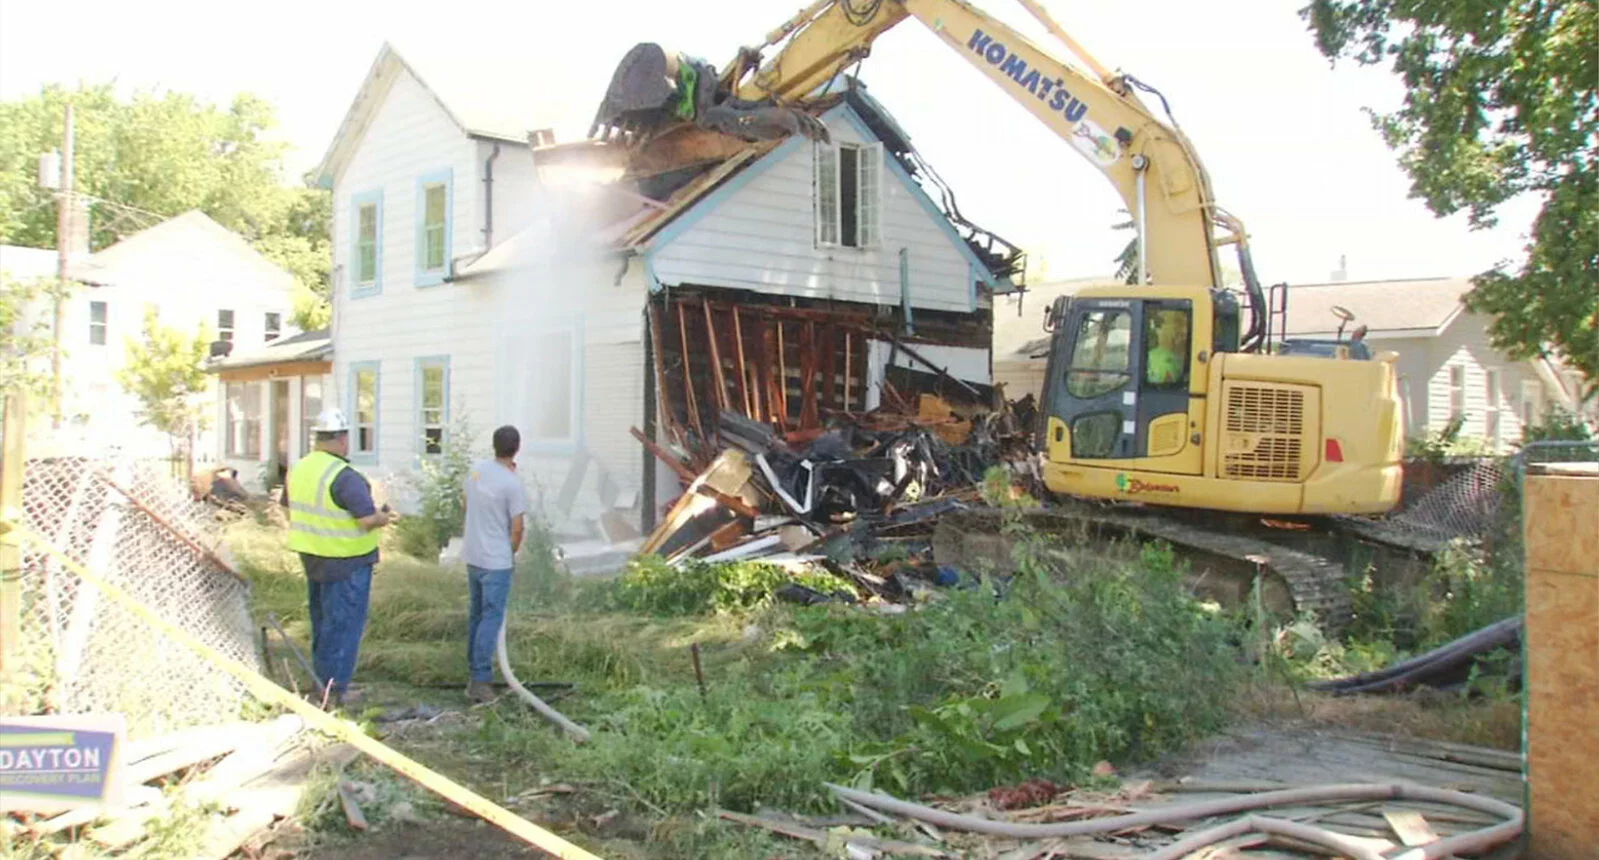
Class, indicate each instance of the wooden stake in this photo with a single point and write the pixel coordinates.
(699, 671)
(716, 359)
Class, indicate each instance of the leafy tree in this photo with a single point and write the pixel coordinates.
(1502, 99)
(165, 154)
(25, 335)
(166, 372)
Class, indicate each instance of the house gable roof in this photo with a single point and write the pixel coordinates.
(485, 97)
(187, 237)
(1402, 308)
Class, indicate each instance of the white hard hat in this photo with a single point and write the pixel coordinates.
(331, 420)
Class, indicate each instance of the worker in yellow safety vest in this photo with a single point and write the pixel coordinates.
(333, 525)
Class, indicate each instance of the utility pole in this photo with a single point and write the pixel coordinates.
(63, 245)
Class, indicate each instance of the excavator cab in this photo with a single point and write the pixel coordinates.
(1122, 370)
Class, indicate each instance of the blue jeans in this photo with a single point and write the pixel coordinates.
(490, 590)
(338, 618)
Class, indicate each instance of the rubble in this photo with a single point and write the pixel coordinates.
(836, 494)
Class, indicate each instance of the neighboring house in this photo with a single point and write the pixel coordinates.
(1021, 346)
(269, 396)
(580, 324)
(191, 271)
(1447, 367)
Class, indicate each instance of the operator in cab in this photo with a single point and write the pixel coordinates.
(1168, 347)
(333, 525)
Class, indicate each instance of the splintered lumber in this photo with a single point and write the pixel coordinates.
(249, 760)
(1410, 827)
(133, 797)
(849, 365)
(808, 412)
(782, 376)
(663, 455)
(203, 746)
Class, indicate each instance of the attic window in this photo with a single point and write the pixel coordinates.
(848, 194)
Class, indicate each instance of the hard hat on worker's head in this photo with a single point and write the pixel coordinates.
(330, 421)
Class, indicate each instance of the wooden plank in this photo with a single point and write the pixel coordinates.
(765, 403)
(830, 367)
(688, 375)
(353, 815)
(743, 371)
(849, 365)
(664, 408)
(808, 412)
(716, 358)
(1410, 827)
(278, 370)
(736, 504)
(782, 376)
(663, 455)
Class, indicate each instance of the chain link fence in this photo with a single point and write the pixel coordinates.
(139, 528)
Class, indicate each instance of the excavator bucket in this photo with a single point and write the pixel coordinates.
(653, 88)
(644, 83)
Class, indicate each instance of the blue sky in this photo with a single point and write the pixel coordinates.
(1283, 136)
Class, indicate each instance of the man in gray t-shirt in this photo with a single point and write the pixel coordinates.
(495, 504)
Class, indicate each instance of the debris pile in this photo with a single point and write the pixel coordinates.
(833, 494)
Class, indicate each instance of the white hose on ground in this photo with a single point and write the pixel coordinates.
(578, 733)
(1472, 841)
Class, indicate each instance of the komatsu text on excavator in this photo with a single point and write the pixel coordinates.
(1161, 393)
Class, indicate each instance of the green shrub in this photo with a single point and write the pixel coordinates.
(440, 486)
(651, 585)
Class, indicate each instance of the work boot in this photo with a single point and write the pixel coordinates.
(349, 697)
(481, 692)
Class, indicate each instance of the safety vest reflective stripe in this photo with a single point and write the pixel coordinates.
(317, 525)
(357, 531)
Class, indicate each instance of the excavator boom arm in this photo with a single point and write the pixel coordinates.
(1153, 166)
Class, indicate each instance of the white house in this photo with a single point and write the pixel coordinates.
(190, 271)
(647, 301)
(1447, 367)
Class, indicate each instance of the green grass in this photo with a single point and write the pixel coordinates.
(1083, 657)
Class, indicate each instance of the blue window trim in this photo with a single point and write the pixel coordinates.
(356, 367)
(422, 363)
(374, 197)
(425, 278)
(565, 447)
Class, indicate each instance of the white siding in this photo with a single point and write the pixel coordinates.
(514, 190)
(762, 238)
(1465, 344)
(411, 136)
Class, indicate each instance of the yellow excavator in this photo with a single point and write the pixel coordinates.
(1157, 393)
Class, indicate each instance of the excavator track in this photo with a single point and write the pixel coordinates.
(1222, 564)
(1312, 583)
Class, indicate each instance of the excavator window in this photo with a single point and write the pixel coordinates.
(1166, 346)
(1100, 360)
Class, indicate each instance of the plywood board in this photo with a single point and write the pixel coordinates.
(1562, 524)
(1562, 653)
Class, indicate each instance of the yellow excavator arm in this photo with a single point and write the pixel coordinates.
(1152, 165)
